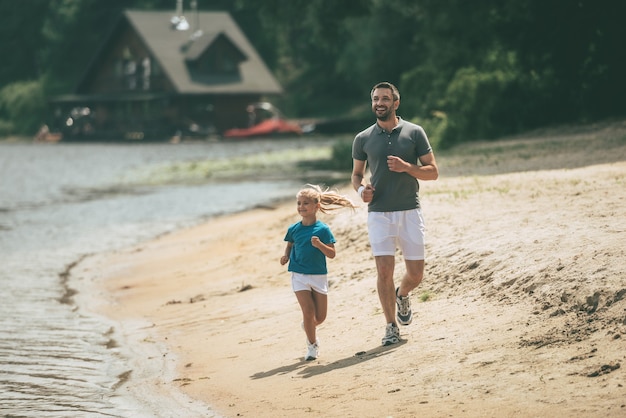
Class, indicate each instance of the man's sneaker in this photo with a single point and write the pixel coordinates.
(392, 334)
(313, 350)
(403, 313)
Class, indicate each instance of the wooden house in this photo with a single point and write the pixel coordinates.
(156, 76)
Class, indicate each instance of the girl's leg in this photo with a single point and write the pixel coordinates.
(307, 304)
(314, 308)
(321, 306)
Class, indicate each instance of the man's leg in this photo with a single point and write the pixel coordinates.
(412, 278)
(386, 291)
(387, 294)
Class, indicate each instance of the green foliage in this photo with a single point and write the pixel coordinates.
(22, 108)
(425, 296)
(436, 127)
(338, 158)
(341, 156)
(6, 127)
(309, 37)
(473, 99)
(261, 165)
(72, 32)
(465, 69)
(20, 31)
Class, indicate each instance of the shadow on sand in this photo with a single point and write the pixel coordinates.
(317, 369)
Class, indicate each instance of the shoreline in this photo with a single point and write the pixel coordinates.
(145, 388)
(512, 325)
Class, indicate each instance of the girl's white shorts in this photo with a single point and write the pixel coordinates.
(403, 229)
(316, 282)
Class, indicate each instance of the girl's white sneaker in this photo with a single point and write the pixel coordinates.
(313, 351)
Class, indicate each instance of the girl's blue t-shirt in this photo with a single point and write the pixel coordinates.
(304, 257)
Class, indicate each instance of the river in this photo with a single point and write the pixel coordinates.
(62, 202)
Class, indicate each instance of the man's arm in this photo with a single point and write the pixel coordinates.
(358, 173)
(428, 169)
(366, 191)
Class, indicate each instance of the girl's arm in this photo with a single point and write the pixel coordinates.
(327, 249)
(285, 258)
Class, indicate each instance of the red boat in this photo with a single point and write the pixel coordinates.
(264, 120)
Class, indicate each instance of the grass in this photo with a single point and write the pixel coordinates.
(425, 296)
(263, 165)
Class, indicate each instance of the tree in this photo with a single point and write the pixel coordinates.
(22, 108)
(466, 69)
(20, 31)
(309, 36)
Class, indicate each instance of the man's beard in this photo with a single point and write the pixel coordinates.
(384, 116)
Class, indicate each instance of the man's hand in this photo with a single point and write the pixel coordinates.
(397, 164)
(368, 193)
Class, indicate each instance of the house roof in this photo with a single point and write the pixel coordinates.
(171, 48)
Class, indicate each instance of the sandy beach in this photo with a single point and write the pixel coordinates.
(522, 311)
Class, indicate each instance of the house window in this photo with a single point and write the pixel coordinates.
(146, 73)
(220, 58)
(228, 65)
(130, 74)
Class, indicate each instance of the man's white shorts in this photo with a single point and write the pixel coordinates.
(316, 282)
(403, 229)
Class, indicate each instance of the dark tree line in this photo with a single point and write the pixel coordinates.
(465, 69)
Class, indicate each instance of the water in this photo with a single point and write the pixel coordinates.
(60, 203)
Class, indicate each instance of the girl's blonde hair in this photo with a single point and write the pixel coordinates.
(329, 200)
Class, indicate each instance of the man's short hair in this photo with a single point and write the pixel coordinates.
(386, 85)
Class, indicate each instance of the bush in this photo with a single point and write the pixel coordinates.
(473, 97)
(23, 107)
(341, 157)
(435, 127)
(6, 128)
(484, 101)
